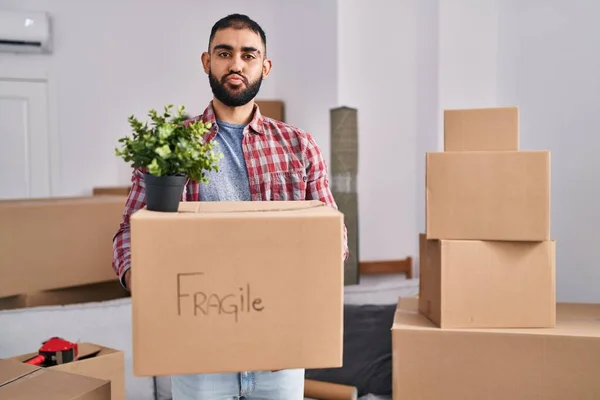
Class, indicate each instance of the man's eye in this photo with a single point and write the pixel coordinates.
(250, 56)
(223, 54)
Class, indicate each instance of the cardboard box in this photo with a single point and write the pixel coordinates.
(20, 381)
(488, 284)
(57, 243)
(96, 362)
(488, 195)
(272, 109)
(60, 297)
(111, 191)
(242, 285)
(558, 363)
(482, 129)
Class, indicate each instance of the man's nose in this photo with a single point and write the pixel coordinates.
(236, 64)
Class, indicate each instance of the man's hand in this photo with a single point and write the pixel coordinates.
(128, 279)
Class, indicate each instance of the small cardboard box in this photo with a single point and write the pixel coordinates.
(96, 362)
(430, 363)
(272, 109)
(19, 381)
(57, 243)
(488, 195)
(482, 129)
(242, 285)
(487, 284)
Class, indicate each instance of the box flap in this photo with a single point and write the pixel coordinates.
(11, 371)
(97, 362)
(242, 209)
(23, 382)
(572, 320)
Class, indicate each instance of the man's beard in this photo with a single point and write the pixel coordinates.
(237, 98)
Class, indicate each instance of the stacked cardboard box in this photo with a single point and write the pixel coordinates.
(486, 324)
(489, 259)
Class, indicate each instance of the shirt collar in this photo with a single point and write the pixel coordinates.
(256, 124)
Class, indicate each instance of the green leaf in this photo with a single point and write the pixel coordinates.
(166, 146)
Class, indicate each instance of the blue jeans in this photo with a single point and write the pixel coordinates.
(263, 385)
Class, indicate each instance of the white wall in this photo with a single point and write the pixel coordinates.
(542, 56)
(549, 64)
(114, 58)
(400, 63)
(377, 70)
(306, 64)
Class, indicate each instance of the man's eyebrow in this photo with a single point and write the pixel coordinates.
(246, 49)
(250, 49)
(223, 47)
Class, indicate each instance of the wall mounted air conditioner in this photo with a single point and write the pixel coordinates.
(24, 32)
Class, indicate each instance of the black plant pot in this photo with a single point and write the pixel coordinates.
(163, 193)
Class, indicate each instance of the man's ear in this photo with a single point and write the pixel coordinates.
(267, 64)
(206, 62)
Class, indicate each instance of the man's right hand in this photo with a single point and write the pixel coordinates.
(128, 279)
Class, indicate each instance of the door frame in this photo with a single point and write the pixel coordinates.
(40, 74)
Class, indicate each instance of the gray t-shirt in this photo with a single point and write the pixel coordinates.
(231, 182)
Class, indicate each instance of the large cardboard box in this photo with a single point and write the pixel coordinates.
(482, 129)
(558, 363)
(19, 381)
(96, 362)
(483, 195)
(488, 284)
(237, 286)
(57, 243)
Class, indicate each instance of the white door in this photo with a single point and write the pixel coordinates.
(24, 140)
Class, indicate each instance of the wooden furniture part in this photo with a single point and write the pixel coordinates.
(328, 391)
(388, 267)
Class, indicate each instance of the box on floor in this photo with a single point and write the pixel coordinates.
(95, 362)
(249, 285)
(19, 381)
(551, 364)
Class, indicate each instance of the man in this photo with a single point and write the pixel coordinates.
(263, 160)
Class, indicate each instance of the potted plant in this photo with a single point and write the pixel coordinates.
(169, 151)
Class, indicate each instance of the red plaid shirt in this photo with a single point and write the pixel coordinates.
(284, 163)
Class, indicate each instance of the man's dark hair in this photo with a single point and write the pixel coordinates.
(238, 21)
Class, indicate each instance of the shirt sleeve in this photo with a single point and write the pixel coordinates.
(122, 238)
(318, 182)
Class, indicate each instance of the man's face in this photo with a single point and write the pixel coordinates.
(236, 66)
